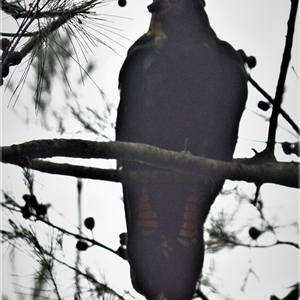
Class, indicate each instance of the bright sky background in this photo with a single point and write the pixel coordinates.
(258, 27)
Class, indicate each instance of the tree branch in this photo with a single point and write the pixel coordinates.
(59, 15)
(13, 236)
(258, 171)
(270, 99)
(45, 33)
(282, 76)
(235, 244)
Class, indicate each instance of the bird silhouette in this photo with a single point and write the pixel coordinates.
(181, 89)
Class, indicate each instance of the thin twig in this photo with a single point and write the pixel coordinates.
(282, 76)
(266, 246)
(271, 100)
(62, 230)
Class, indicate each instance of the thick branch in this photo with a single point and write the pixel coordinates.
(251, 171)
(77, 171)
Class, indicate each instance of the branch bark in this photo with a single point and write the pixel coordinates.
(190, 167)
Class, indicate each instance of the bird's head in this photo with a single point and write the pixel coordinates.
(176, 17)
(161, 5)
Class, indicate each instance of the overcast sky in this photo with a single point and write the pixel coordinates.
(258, 27)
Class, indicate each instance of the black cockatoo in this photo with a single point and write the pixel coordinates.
(182, 89)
